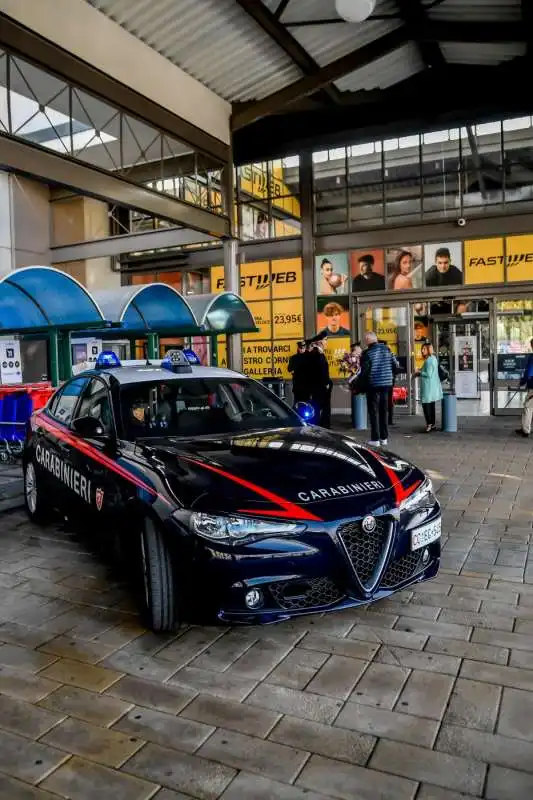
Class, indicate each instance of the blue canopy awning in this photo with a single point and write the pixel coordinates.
(153, 307)
(222, 313)
(40, 298)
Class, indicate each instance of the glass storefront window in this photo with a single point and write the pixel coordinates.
(514, 331)
(268, 199)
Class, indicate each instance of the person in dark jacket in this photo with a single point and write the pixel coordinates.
(527, 381)
(395, 372)
(321, 385)
(377, 374)
(300, 374)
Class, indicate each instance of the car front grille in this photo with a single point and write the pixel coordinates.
(313, 593)
(401, 570)
(365, 550)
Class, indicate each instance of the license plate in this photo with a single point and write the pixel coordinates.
(425, 535)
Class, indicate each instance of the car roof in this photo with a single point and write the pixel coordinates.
(146, 373)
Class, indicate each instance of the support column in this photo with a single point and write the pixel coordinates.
(65, 356)
(213, 351)
(53, 357)
(232, 283)
(308, 245)
(152, 346)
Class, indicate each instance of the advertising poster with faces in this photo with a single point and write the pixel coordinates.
(331, 274)
(404, 267)
(443, 264)
(333, 317)
(367, 268)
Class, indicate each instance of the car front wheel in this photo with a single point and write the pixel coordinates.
(36, 506)
(159, 592)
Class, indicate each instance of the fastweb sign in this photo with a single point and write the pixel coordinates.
(263, 280)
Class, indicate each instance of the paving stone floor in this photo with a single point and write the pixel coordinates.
(428, 695)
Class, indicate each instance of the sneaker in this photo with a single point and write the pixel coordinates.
(520, 432)
(384, 442)
(372, 443)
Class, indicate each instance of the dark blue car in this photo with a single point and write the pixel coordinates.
(221, 501)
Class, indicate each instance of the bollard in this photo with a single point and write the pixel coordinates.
(359, 421)
(449, 413)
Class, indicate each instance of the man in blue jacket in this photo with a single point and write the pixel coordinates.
(527, 381)
(377, 376)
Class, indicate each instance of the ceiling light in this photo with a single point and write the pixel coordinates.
(355, 10)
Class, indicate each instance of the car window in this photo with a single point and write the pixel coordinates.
(64, 403)
(96, 403)
(200, 406)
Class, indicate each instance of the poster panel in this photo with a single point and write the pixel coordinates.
(10, 361)
(217, 279)
(484, 261)
(333, 317)
(443, 264)
(262, 314)
(288, 319)
(466, 377)
(331, 274)
(282, 350)
(255, 280)
(404, 267)
(287, 278)
(367, 270)
(335, 350)
(257, 359)
(519, 252)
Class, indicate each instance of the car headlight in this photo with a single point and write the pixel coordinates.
(422, 497)
(218, 528)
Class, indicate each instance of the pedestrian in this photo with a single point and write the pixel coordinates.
(430, 386)
(375, 380)
(300, 379)
(527, 381)
(320, 382)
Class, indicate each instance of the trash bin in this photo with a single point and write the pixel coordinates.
(449, 412)
(359, 420)
(275, 385)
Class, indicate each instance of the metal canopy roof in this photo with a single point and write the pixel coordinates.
(40, 298)
(297, 73)
(154, 307)
(222, 313)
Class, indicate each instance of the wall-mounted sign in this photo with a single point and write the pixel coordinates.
(10, 361)
(288, 319)
(262, 313)
(484, 261)
(519, 252)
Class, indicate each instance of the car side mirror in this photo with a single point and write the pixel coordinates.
(89, 428)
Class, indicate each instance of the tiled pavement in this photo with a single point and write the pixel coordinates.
(426, 696)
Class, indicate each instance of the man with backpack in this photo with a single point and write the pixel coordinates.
(375, 380)
(527, 381)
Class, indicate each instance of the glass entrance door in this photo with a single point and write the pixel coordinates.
(392, 325)
(514, 330)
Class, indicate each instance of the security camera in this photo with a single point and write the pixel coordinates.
(461, 222)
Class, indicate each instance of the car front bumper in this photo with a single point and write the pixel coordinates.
(328, 567)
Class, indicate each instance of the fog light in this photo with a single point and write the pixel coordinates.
(425, 557)
(254, 598)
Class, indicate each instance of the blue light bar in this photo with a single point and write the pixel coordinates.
(107, 359)
(191, 357)
(176, 361)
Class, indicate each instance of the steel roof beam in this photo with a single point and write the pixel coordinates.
(271, 25)
(414, 15)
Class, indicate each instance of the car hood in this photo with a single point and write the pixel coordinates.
(304, 473)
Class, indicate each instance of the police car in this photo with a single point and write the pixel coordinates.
(222, 499)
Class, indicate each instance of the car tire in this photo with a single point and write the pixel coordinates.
(159, 595)
(37, 507)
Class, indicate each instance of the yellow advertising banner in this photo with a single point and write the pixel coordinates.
(217, 280)
(484, 261)
(262, 313)
(287, 278)
(334, 351)
(257, 181)
(222, 352)
(288, 319)
(385, 327)
(257, 359)
(519, 256)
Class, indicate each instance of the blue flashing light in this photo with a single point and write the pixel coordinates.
(106, 359)
(192, 358)
(305, 411)
(176, 361)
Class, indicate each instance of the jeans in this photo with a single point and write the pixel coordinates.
(429, 413)
(377, 401)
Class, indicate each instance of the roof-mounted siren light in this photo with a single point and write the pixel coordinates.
(192, 358)
(176, 361)
(107, 359)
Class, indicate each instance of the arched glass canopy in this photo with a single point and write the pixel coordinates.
(154, 307)
(37, 298)
(222, 313)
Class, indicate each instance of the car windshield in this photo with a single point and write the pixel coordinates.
(199, 407)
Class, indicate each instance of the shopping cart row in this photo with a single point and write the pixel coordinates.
(17, 404)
